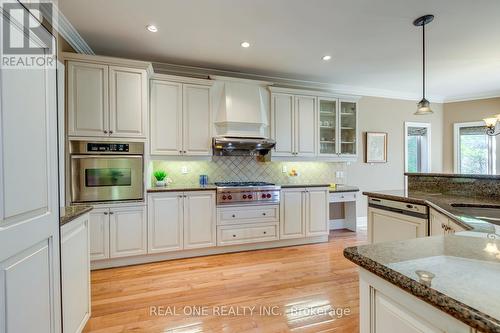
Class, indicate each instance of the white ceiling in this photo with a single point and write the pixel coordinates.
(375, 48)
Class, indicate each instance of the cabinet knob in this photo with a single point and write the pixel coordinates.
(265, 232)
(443, 226)
(111, 213)
(110, 131)
(264, 214)
(234, 235)
(180, 151)
(233, 215)
(105, 213)
(105, 132)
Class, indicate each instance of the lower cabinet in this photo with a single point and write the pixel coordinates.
(440, 224)
(385, 308)
(181, 220)
(117, 232)
(75, 274)
(304, 212)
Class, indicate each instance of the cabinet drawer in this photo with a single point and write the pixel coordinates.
(250, 214)
(342, 197)
(241, 234)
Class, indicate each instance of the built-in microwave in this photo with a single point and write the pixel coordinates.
(106, 171)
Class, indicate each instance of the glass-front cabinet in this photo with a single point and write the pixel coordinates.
(348, 127)
(337, 127)
(328, 126)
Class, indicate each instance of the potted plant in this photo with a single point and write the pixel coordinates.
(160, 176)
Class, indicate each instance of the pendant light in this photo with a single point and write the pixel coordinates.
(423, 106)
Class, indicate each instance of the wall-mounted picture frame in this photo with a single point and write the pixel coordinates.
(376, 147)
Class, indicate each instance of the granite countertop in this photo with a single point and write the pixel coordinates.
(182, 187)
(452, 175)
(466, 273)
(485, 219)
(69, 213)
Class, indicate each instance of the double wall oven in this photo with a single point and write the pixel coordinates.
(106, 171)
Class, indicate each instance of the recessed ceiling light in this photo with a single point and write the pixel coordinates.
(245, 44)
(326, 57)
(152, 28)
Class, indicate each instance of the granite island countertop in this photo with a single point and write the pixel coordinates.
(485, 219)
(70, 213)
(466, 273)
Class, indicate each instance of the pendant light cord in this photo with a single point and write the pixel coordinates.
(423, 58)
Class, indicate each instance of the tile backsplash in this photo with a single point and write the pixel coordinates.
(238, 168)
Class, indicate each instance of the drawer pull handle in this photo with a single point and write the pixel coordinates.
(233, 215)
(265, 232)
(234, 235)
(264, 214)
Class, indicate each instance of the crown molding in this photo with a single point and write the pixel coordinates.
(468, 98)
(64, 27)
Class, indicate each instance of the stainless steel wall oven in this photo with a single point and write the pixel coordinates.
(106, 171)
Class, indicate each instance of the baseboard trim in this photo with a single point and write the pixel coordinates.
(148, 258)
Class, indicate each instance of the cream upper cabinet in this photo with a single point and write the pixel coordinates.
(127, 101)
(199, 219)
(283, 124)
(348, 127)
(127, 231)
(197, 121)
(292, 213)
(165, 222)
(328, 126)
(106, 97)
(166, 118)
(87, 99)
(181, 119)
(317, 211)
(305, 126)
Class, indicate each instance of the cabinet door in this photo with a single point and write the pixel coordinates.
(87, 99)
(438, 223)
(385, 226)
(305, 126)
(327, 127)
(127, 228)
(292, 213)
(283, 124)
(317, 212)
(199, 219)
(75, 267)
(165, 222)
(127, 102)
(348, 128)
(166, 118)
(99, 233)
(197, 134)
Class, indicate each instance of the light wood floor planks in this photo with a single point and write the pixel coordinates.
(298, 286)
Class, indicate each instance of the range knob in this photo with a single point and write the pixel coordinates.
(263, 195)
(268, 195)
(244, 196)
(223, 197)
(229, 197)
(250, 196)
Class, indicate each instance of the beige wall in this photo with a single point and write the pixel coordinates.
(389, 115)
(461, 112)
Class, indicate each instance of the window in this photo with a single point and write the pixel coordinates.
(475, 151)
(417, 147)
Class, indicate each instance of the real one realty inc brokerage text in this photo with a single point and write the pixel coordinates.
(226, 310)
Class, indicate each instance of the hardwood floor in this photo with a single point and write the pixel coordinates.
(293, 289)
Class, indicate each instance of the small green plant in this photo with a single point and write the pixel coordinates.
(160, 175)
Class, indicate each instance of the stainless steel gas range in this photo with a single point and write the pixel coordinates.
(247, 193)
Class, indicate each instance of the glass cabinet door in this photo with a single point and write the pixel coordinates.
(328, 126)
(348, 128)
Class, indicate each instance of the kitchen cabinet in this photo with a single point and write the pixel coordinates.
(308, 123)
(181, 220)
(117, 232)
(107, 97)
(181, 119)
(127, 231)
(440, 224)
(99, 233)
(294, 125)
(304, 212)
(75, 274)
(388, 309)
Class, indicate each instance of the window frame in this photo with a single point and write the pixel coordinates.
(428, 126)
(456, 146)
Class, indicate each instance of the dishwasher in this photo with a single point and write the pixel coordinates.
(391, 220)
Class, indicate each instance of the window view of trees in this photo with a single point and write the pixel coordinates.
(474, 153)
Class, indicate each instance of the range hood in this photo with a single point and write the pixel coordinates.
(242, 107)
(239, 146)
